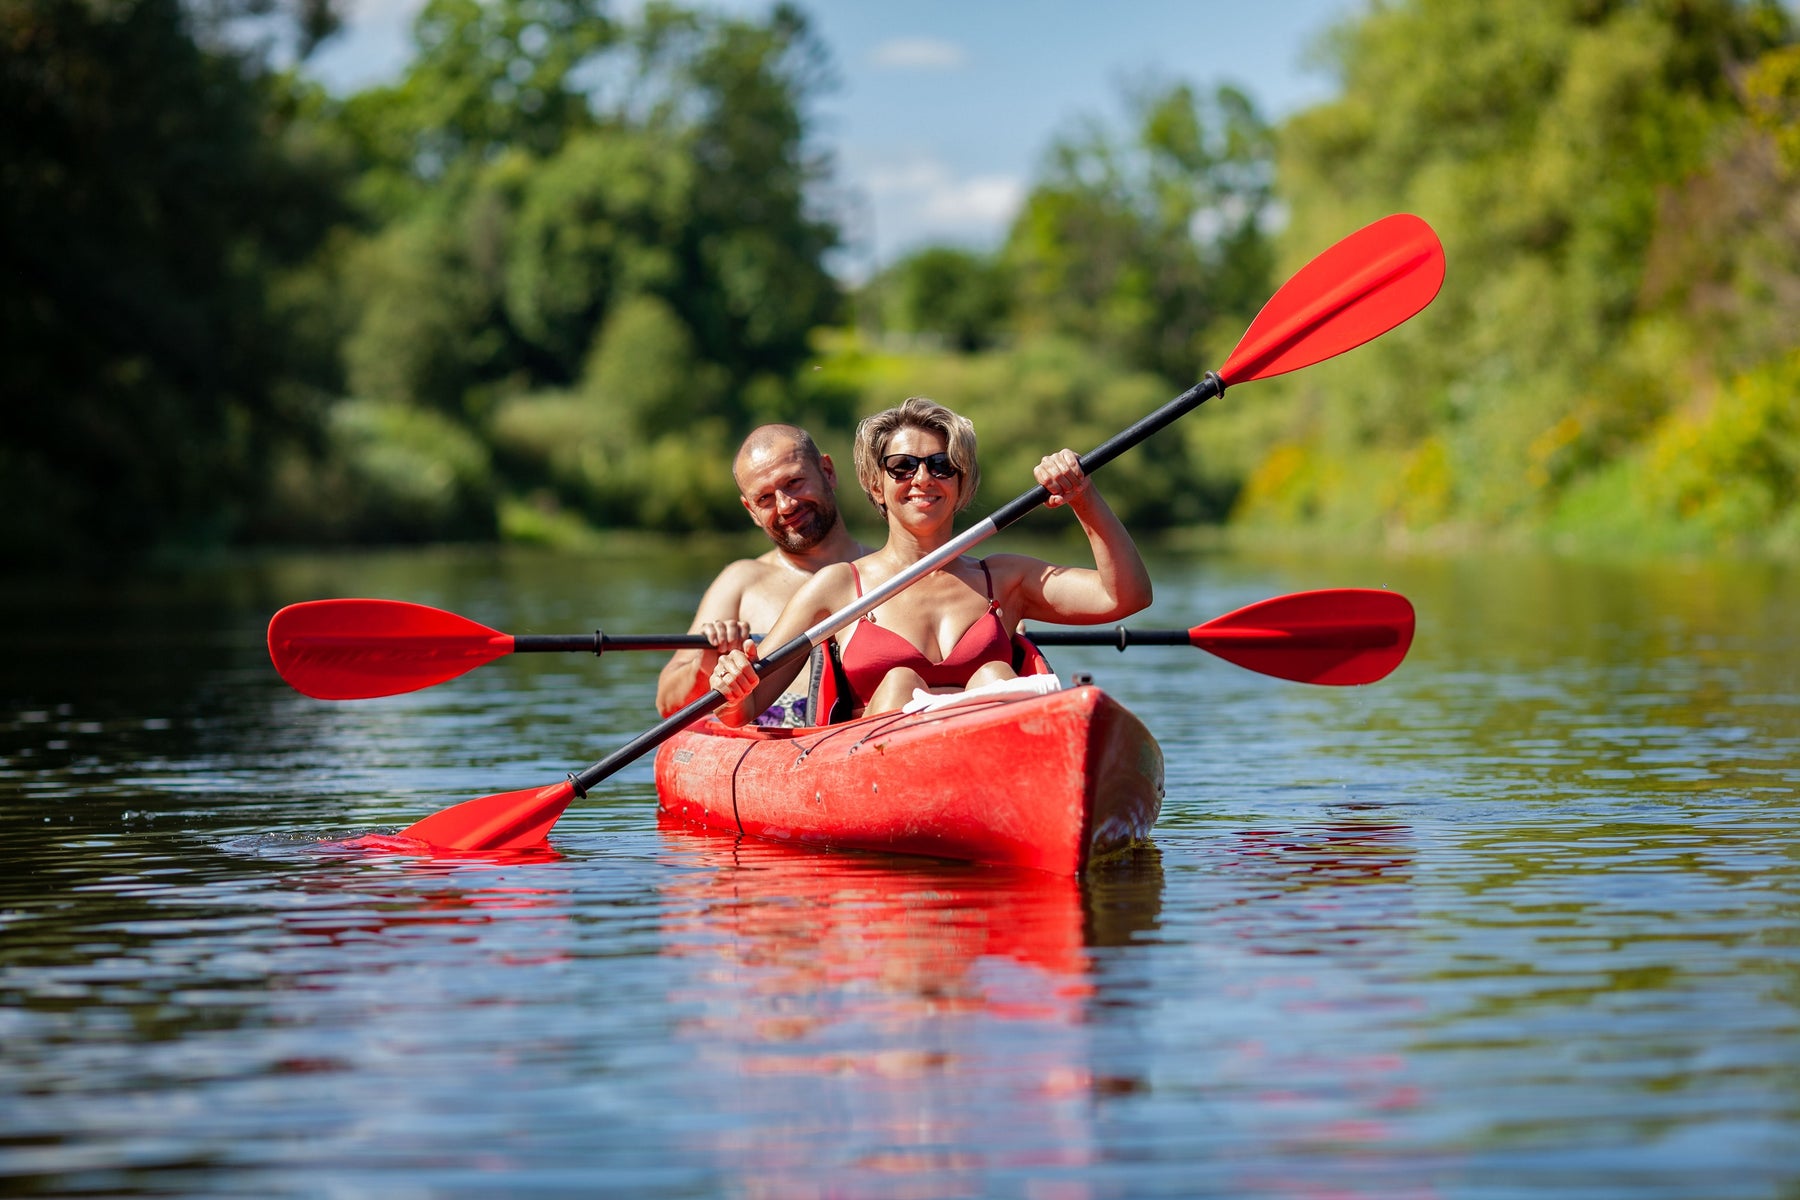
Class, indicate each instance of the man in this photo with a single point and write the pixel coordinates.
(788, 488)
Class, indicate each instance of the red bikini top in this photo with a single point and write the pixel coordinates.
(874, 650)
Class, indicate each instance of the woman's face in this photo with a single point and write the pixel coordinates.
(921, 497)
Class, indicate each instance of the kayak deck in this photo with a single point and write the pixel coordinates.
(1051, 782)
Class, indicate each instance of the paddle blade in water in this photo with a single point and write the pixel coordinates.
(509, 821)
(1358, 290)
(1341, 636)
(354, 649)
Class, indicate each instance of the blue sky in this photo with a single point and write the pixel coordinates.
(944, 106)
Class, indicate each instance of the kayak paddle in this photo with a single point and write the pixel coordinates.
(1365, 285)
(352, 649)
(355, 649)
(1337, 636)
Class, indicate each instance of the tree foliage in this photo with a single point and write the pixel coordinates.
(959, 297)
(554, 270)
(1143, 245)
(664, 170)
(1571, 154)
(253, 285)
(148, 191)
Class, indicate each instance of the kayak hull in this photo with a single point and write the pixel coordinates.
(1051, 782)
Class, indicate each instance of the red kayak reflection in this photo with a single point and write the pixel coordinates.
(810, 919)
(902, 1003)
(428, 887)
(395, 845)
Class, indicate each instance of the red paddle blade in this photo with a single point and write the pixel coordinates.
(1339, 636)
(1359, 289)
(354, 649)
(509, 821)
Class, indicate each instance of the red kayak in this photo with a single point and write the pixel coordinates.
(1050, 781)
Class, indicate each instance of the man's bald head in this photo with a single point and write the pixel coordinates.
(767, 442)
(786, 486)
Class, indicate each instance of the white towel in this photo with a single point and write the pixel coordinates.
(1006, 689)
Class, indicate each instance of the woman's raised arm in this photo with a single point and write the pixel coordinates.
(1116, 586)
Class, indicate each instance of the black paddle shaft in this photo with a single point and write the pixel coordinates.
(1118, 636)
(600, 643)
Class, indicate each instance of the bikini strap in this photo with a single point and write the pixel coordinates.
(857, 575)
(990, 583)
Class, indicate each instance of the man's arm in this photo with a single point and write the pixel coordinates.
(683, 678)
(827, 591)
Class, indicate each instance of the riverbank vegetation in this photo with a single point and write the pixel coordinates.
(543, 281)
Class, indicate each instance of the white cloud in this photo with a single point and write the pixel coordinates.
(984, 200)
(922, 200)
(390, 11)
(920, 54)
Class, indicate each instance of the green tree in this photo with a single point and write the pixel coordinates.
(733, 97)
(1542, 139)
(597, 224)
(614, 269)
(1142, 245)
(150, 199)
(681, 174)
(391, 473)
(427, 328)
(487, 77)
(960, 296)
(1772, 94)
(644, 375)
(1724, 260)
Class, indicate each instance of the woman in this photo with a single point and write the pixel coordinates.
(952, 629)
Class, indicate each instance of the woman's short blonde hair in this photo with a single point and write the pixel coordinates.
(874, 433)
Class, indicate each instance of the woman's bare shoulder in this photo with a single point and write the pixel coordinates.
(827, 585)
(1014, 567)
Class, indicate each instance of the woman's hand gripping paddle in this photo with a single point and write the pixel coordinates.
(1359, 289)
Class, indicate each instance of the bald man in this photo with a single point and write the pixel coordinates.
(788, 488)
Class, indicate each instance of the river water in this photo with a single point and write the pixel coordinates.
(1522, 919)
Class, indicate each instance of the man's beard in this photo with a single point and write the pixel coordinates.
(812, 523)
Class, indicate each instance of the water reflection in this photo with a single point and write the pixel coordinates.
(290, 998)
(1331, 855)
(1308, 939)
(893, 1010)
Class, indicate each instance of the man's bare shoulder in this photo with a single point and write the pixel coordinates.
(750, 576)
(770, 572)
(776, 563)
(743, 568)
(748, 572)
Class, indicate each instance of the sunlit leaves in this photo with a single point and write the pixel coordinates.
(1563, 150)
(1772, 94)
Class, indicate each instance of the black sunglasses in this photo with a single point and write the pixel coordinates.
(901, 467)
